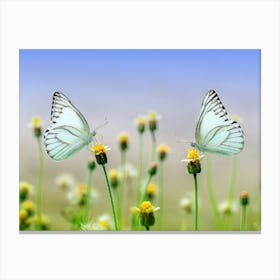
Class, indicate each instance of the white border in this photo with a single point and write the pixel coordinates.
(143, 24)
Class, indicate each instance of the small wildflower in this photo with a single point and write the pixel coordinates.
(23, 215)
(225, 207)
(153, 168)
(141, 124)
(45, 222)
(162, 151)
(29, 206)
(100, 153)
(114, 178)
(123, 139)
(65, 182)
(103, 222)
(146, 212)
(91, 163)
(193, 161)
(186, 203)
(244, 198)
(25, 189)
(78, 195)
(24, 220)
(36, 124)
(152, 190)
(153, 120)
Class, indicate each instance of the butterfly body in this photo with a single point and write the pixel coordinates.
(68, 132)
(215, 131)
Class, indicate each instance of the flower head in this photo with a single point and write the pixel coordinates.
(78, 195)
(228, 208)
(152, 190)
(65, 182)
(100, 153)
(193, 161)
(103, 222)
(153, 120)
(45, 222)
(25, 189)
(36, 125)
(91, 163)
(29, 206)
(114, 178)
(162, 151)
(153, 168)
(147, 211)
(141, 123)
(244, 198)
(123, 139)
(186, 203)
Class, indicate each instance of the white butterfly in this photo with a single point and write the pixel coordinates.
(68, 132)
(215, 132)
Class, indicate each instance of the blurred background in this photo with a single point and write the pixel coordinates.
(122, 84)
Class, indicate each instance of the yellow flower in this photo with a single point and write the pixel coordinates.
(104, 222)
(29, 206)
(141, 123)
(123, 139)
(100, 153)
(146, 207)
(151, 190)
(36, 125)
(193, 161)
(153, 120)
(36, 122)
(114, 177)
(146, 214)
(45, 221)
(163, 150)
(23, 214)
(25, 189)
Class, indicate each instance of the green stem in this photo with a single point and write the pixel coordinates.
(160, 194)
(40, 185)
(144, 195)
(139, 171)
(147, 227)
(243, 217)
(88, 198)
(196, 200)
(231, 191)
(139, 180)
(121, 187)
(153, 146)
(111, 198)
(211, 192)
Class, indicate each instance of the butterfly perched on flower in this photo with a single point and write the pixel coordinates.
(215, 131)
(68, 132)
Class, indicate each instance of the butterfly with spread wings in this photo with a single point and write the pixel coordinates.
(215, 132)
(68, 132)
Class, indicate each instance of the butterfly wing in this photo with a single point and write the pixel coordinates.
(215, 132)
(68, 132)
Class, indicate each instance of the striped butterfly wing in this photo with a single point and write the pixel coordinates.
(215, 132)
(68, 132)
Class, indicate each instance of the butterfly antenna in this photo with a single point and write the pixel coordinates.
(103, 123)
